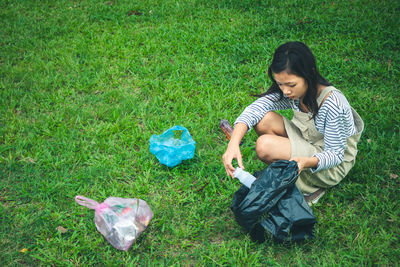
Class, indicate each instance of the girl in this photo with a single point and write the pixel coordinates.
(322, 137)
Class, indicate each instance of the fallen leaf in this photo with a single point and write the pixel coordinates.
(302, 20)
(394, 176)
(61, 229)
(369, 141)
(23, 250)
(346, 59)
(201, 189)
(134, 12)
(31, 160)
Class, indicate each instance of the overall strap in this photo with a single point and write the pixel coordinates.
(323, 94)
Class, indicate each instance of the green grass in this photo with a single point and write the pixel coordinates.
(84, 84)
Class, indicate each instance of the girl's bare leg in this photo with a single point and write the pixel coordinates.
(273, 143)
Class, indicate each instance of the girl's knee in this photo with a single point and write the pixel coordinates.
(270, 148)
(263, 145)
(271, 123)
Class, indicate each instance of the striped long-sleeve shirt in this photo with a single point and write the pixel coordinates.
(334, 121)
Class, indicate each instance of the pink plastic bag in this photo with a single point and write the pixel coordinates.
(119, 220)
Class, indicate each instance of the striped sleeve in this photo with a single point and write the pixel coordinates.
(335, 122)
(253, 113)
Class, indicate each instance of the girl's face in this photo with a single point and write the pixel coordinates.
(293, 86)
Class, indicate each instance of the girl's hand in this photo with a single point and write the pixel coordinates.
(306, 162)
(232, 152)
(300, 163)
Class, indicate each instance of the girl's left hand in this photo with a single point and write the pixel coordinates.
(305, 162)
(300, 162)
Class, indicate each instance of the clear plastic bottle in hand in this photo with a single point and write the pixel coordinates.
(244, 177)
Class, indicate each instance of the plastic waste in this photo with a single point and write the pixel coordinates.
(226, 128)
(244, 177)
(171, 151)
(119, 220)
(273, 203)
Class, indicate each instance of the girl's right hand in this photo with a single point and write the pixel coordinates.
(232, 152)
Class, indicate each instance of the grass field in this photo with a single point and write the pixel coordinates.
(84, 84)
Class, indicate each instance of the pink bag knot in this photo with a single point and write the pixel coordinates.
(101, 207)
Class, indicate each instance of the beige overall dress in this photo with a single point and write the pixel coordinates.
(305, 140)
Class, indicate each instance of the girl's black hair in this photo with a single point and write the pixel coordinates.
(296, 58)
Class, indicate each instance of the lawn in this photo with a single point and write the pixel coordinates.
(84, 84)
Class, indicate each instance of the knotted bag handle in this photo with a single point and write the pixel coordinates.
(90, 203)
(185, 133)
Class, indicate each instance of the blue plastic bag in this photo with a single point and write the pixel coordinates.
(171, 151)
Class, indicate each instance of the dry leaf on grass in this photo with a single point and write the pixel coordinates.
(134, 12)
(61, 229)
(31, 160)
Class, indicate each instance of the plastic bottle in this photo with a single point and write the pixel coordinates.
(226, 128)
(244, 177)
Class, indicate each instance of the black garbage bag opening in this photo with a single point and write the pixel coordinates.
(274, 204)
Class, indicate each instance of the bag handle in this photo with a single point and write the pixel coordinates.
(87, 202)
(185, 133)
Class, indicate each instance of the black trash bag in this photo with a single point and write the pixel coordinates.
(274, 203)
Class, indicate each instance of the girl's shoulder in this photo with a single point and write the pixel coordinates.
(335, 105)
(335, 99)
